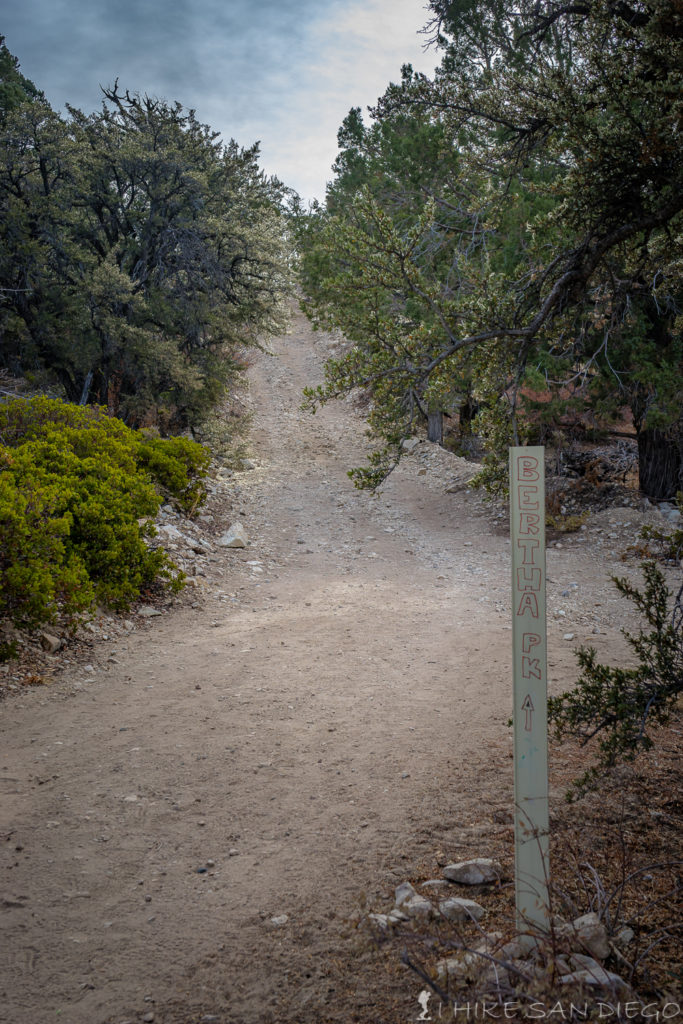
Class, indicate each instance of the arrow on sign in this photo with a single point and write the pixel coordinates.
(528, 709)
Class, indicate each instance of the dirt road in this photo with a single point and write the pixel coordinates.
(335, 722)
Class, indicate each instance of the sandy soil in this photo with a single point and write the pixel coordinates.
(331, 713)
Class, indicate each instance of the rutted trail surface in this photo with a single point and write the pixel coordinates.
(340, 719)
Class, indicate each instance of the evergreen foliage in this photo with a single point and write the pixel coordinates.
(514, 219)
(138, 254)
(78, 495)
(619, 704)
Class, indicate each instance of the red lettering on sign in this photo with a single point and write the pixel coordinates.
(528, 547)
(528, 604)
(527, 467)
(528, 523)
(531, 668)
(528, 496)
(529, 641)
(528, 579)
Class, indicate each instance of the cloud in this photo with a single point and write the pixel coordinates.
(282, 71)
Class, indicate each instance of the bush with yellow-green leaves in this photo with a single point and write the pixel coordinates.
(79, 491)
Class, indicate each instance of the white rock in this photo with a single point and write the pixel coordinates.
(50, 643)
(582, 962)
(592, 935)
(410, 444)
(279, 920)
(170, 532)
(436, 883)
(397, 916)
(418, 906)
(596, 977)
(465, 967)
(455, 909)
(403, 892)
(236, 537)
(147, 612)
(474, 872)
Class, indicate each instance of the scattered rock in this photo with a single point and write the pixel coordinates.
(397, 916)
(455, 909)
(582, 962)
(247, 465)
(279, 920)
(418, 906)
(517, 948)
(169, 532)
(381, 920)
(436, 884)
(480, 871)
(403, 893)
(409, 444)
(146, 611)
(465, 967)
(596, 977)
(236, 537)
(592, 935)
(50, 643)
(625, 936)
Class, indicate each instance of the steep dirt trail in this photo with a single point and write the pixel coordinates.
(340, 720)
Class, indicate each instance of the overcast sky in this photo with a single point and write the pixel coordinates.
(285, 72)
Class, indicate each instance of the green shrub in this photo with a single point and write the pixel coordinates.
(178, 466)
(619, 704)
(78, 492)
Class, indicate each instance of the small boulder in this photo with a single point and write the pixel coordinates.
(474, 872)
(418, 906)
(146, 611)
(50, 643)
(455, 909)
(236, 537)
(596, 977)
(465, 967)
(170, 532)
(436, 884)
(403, 893)
(409, 444)
(592, 935)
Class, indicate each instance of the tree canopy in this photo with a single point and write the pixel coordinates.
(515, 219)
(138, 252)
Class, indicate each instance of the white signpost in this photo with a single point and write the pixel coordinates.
(527, 535)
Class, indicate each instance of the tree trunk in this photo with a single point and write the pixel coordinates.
(113, 394)
(468, 410)
(435, 427)
(660, 462)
